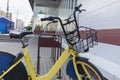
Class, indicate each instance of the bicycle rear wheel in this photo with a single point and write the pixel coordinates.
(94, 73)
(19, 72)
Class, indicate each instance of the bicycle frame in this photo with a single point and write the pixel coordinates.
(53, 71)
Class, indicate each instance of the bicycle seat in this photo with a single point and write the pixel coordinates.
(19, 35)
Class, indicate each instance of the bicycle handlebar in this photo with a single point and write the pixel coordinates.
(50, 18)
(77, 7)
(68, 22)
(47, 18)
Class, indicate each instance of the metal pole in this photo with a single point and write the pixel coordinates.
(7, 8)
(17, 20)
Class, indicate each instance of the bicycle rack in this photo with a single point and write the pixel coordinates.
(51, 40)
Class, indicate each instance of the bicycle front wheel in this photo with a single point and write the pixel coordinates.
(88, 71)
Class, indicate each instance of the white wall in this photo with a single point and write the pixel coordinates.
(100, 14)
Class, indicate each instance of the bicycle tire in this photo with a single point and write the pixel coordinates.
(92, 70)
(19, 72)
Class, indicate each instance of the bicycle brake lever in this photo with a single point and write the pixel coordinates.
(81, 10)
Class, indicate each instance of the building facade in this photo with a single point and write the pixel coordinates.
(5, 14)
(6, 25)
(44, 8)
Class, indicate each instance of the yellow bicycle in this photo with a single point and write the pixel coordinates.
(78, 68)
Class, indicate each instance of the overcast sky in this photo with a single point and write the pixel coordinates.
(22, 7)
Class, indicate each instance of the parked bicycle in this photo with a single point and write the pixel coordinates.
(78, 68)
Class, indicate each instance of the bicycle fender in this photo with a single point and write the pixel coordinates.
(70, 70)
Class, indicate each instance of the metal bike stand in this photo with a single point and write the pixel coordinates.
(53, 42)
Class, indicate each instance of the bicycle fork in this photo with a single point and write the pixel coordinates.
(79, 76)
(72, 69)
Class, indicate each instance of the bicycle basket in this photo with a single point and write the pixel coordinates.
(88, 38)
